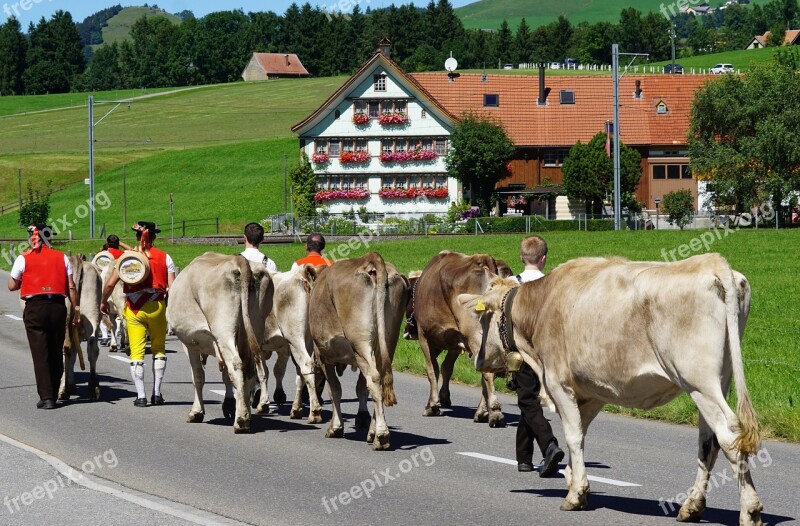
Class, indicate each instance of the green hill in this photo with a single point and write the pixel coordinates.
(489, 14)
(119, 26)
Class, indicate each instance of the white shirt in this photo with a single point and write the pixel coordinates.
(530, 275)
(170, 266)
(255, 255)
(19, 267)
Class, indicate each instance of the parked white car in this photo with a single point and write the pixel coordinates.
(719, 69)
(555, 65)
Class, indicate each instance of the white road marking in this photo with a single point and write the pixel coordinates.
(502, 460)
(220, 392)
(151, 502)
(120, 358)
(17, 318)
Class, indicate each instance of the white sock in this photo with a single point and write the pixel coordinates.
(103, 330)
(137, 373)
(159, 366)
(118, 330)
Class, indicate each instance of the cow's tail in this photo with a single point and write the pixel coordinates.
(747, 441)
(248, 287)
(383, 359)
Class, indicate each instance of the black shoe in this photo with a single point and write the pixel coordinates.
(549, 464)
(140, 402)
(156, 400)
(46, 404)
(525, 466)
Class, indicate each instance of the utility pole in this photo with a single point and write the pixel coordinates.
(615, 54)
(124, 202)
(672, 36)
(285, 204)
(91, 166)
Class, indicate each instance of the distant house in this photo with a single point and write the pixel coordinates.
(267, 66)
(792, 38)
(699, 10)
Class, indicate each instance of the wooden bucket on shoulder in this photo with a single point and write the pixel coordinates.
(133, 267)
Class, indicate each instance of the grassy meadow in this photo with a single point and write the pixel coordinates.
(771, 346)
(119, 26)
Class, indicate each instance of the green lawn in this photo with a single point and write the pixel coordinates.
(741, 59)
(53, 145)
(771, 346)
(23, 104)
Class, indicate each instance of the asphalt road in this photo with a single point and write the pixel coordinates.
(150, 467)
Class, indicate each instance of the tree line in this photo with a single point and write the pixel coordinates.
(54, 57)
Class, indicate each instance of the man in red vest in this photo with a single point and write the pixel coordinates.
(145, 311)
(315, 244)
(113, 245)
(44, 278)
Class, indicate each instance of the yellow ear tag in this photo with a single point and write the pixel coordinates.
(480, 307)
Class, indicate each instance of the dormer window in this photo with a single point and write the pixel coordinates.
(380, 82)
(491, 100)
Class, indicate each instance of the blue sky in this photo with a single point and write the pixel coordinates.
(32, 10)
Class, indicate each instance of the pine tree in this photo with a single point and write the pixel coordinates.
(523, 42)
(13, 48)
(55, 56)
(504, 43)
(104, 72)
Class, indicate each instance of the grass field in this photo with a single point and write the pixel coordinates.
(489, 14)
(28, 103)
(119, 26)
(771, 346)
(53, 145)
(741, 59)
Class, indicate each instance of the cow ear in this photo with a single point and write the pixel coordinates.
(472, 303)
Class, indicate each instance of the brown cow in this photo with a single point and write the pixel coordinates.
(441, 325)
(355, 313)
(636, 334)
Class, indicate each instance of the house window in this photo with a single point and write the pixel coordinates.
(659, 171)
(360, 183)
(554, 157)
(387, 146)
(321, 146)
(414, 181)
(441, 146)
(380, 82)
(348, 145)
(424, 114)
(427, 144)
(400, 145)
(491, 100)
(334, 148)
(360, 106)
(322, 183)
(400, 106)
(686, 172)
(361, 145)
(567, 96)
(441, 181)
(673, 171)
(374, 109)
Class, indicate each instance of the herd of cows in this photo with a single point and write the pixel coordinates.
(595, 331)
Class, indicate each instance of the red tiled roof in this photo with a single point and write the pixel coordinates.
(555, 124)
(280, 63)
(788, 40)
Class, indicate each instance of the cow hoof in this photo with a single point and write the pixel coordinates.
(279, 397)
(262, 409)
(113, 348)
(94, 394)
(363, 420)
(63, 396)
(496, 419)
(480, 418)
(242, 429)
(692, 510)
(297, 413)
(752, 517)
(370, 437)
(229, 408)
(315, 417)
(432, 411)
(444, 400)
(195, 418)
(572, 504)
(334, 433)
(381, 443)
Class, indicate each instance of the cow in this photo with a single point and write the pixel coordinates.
(355, 313)
(635, 334)
(286, 333)
(89, 285)
(116, 305)
(218, 306)
(440, 325)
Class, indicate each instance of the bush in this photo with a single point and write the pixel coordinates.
(36, 209)
(679, 207)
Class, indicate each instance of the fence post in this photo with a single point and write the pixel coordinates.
(218, 225)
(183, 228)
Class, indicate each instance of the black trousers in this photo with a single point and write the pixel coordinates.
(532, 423)
(45, 323)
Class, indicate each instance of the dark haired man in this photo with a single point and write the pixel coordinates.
(253, 236)
(145, 311)
(315, 244)
(44, 278)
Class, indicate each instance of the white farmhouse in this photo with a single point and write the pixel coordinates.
(380, 142)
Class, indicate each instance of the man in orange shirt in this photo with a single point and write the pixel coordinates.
(43, 277)
(315, 244)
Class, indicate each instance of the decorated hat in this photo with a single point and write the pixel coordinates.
(145, 225)
(43, 229)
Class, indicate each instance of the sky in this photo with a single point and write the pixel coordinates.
(28, 11)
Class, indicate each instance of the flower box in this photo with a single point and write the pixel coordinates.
(393, 118)
(354, 157)
(360, 118)
(413, 192)
(320, 158)
(330, 195)
(411, 155)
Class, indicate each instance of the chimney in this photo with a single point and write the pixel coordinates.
(638, 93)
(543, 91)
(385, 47)
(287, 59)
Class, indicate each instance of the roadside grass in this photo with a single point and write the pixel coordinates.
(236, 183)
(229, 113)
(27, 103)
(771, 347)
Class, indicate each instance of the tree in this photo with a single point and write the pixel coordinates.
(679, 207)
(104, 72)
(55, 56)
(523, 42)
(505, 43)
(479, 155)
(589, 173)
(743, 136)
(13, 48)
(36, 209)
(304, 186)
